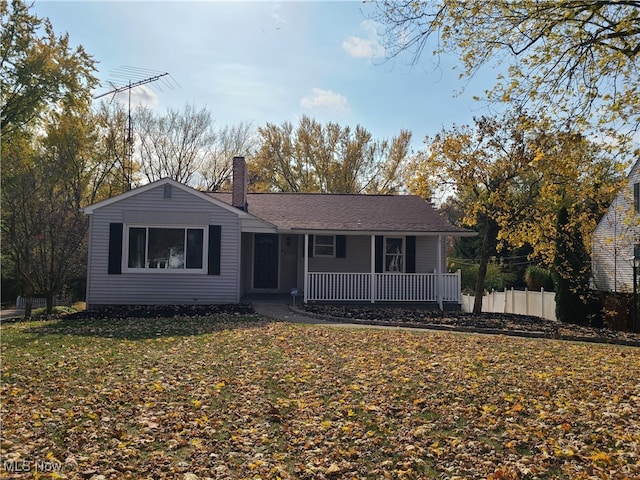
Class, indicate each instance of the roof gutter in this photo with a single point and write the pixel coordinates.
(302, 231)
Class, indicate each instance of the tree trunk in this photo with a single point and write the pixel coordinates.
(489, 239)
(50, 303)
(28, 306)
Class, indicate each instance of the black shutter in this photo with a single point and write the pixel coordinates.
(115, 249)
(310, 251)
(341, 246)
(215, 232)
(379, 253)
(410, 243)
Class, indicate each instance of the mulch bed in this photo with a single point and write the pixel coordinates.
(493, 323)
(164, 311)
(496, 323)
(118, 312)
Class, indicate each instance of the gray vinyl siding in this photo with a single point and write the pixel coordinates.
(246, 254)
(143, 288)
(427, 254)
(289, 260)
(358, 259)
(613, 241)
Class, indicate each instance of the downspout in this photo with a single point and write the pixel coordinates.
(306, 267)
(372, 287)
(615, 248)
(239, 264)
(89, 248)
(439, 271)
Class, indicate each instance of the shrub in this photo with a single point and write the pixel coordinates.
(536, 278)
(495, 279)
(58, 310)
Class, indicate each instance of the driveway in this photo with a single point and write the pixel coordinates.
(9, 313)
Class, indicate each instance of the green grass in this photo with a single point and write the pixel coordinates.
(238, 397)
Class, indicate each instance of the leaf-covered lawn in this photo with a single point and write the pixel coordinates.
(235, 397)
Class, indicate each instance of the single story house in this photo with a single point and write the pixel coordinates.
(616, 239)
(167, 243)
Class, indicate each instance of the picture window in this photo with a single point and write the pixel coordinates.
(166, 248)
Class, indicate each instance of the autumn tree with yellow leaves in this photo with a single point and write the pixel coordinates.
(514, 174)
(480, 165)
(329, 158)
(55, 156)
(577, 60)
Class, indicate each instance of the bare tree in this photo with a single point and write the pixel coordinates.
(174, 145)
(230, 141)
(114, 173)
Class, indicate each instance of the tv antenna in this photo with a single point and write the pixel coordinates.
(127, 73)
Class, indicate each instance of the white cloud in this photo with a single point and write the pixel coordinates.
(144, 95)
(324, 99)
(362, 47)
(365, 47)
(140, 96)
(275, 14)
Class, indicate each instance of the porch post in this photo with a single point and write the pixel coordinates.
(372, 287)
(306, 267)
(439, 271)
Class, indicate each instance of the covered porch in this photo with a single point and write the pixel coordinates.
(401, 268)
(340, 266)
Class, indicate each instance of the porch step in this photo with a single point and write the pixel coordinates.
(281, 298)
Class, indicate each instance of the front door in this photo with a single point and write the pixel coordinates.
(265, 260)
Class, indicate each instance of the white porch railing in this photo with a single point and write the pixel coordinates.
(342, 287)
(388, 287)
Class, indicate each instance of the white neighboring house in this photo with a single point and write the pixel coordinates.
(616, 239)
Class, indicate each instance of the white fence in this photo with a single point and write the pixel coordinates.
(41, 302)
(539, 304)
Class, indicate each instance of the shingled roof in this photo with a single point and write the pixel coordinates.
(349, 213)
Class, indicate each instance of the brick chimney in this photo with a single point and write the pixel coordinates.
(240, 183)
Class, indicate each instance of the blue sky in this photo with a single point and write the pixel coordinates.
(269, 62)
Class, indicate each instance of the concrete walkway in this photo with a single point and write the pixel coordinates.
(281, 311)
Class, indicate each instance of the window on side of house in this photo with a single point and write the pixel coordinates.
(166, 248)
(636, 197)
(324, 246)
(394, 254)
